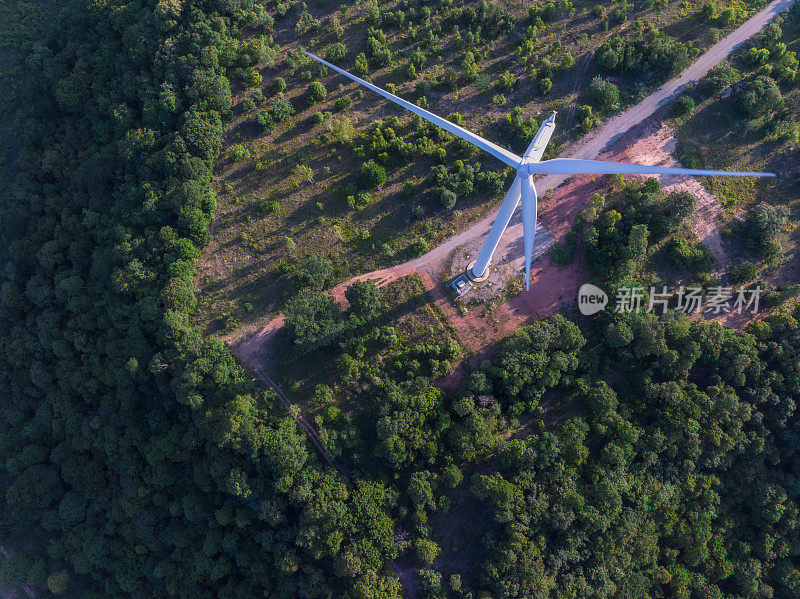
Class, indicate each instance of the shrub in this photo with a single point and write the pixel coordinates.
(786, 68)
(446, 197)
(316, 92)
(689, 254)
(315, 270)
(545, 85)
(683, 106)
(372, 174)
(320, 117)
(708, 12)
(279, 84)
(785, 132)
(742, 273)
(756, 56)
(718, 78)
(273, 207)
(419, 248)
(336, 52)
(760, 97)
(343, 102)
(450, 79)
(563, 254)
(359, 200)
(281, 109)
(499, 100)
(302, 173)
(603, 94)
(249, 77)
(341, 129)
(586, 117)
(690, 155)
(238, 152)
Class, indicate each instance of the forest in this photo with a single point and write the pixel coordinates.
(621, 456)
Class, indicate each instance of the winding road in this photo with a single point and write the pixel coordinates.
(597, 141)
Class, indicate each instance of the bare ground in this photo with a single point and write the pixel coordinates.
(655, 148)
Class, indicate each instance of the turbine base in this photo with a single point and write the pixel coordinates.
(471, 275)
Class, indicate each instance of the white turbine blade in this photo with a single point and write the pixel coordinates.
(528, 225)
(496, 232)
(501, 154)
(576, 166)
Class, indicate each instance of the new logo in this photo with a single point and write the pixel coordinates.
(591, 299)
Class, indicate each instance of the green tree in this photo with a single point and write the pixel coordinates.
(312, 320)
(237, 153)
(315, 270)
(315, 92)
(762, 226)
(336, 52)
(281, 109)
(364, 298)
(373, 175)
(58, 582)
(603, 94)
(362, 65)
(426, 550)
(452, 476)
(618, 334)
(506, 80)
(760, 97)
(683, 106)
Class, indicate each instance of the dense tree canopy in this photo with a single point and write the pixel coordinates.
(138, 459)
(622, 456)
(674, 475)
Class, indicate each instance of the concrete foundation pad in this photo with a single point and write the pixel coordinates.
(472, 277)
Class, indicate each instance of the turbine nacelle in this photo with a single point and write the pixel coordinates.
(530, 163)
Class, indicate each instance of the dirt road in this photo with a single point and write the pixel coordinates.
(591, 146)
(594, 144)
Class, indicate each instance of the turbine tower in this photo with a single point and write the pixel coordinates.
(530, 163)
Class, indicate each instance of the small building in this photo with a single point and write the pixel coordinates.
(460, 285)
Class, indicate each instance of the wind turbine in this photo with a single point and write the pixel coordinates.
(526, 165)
